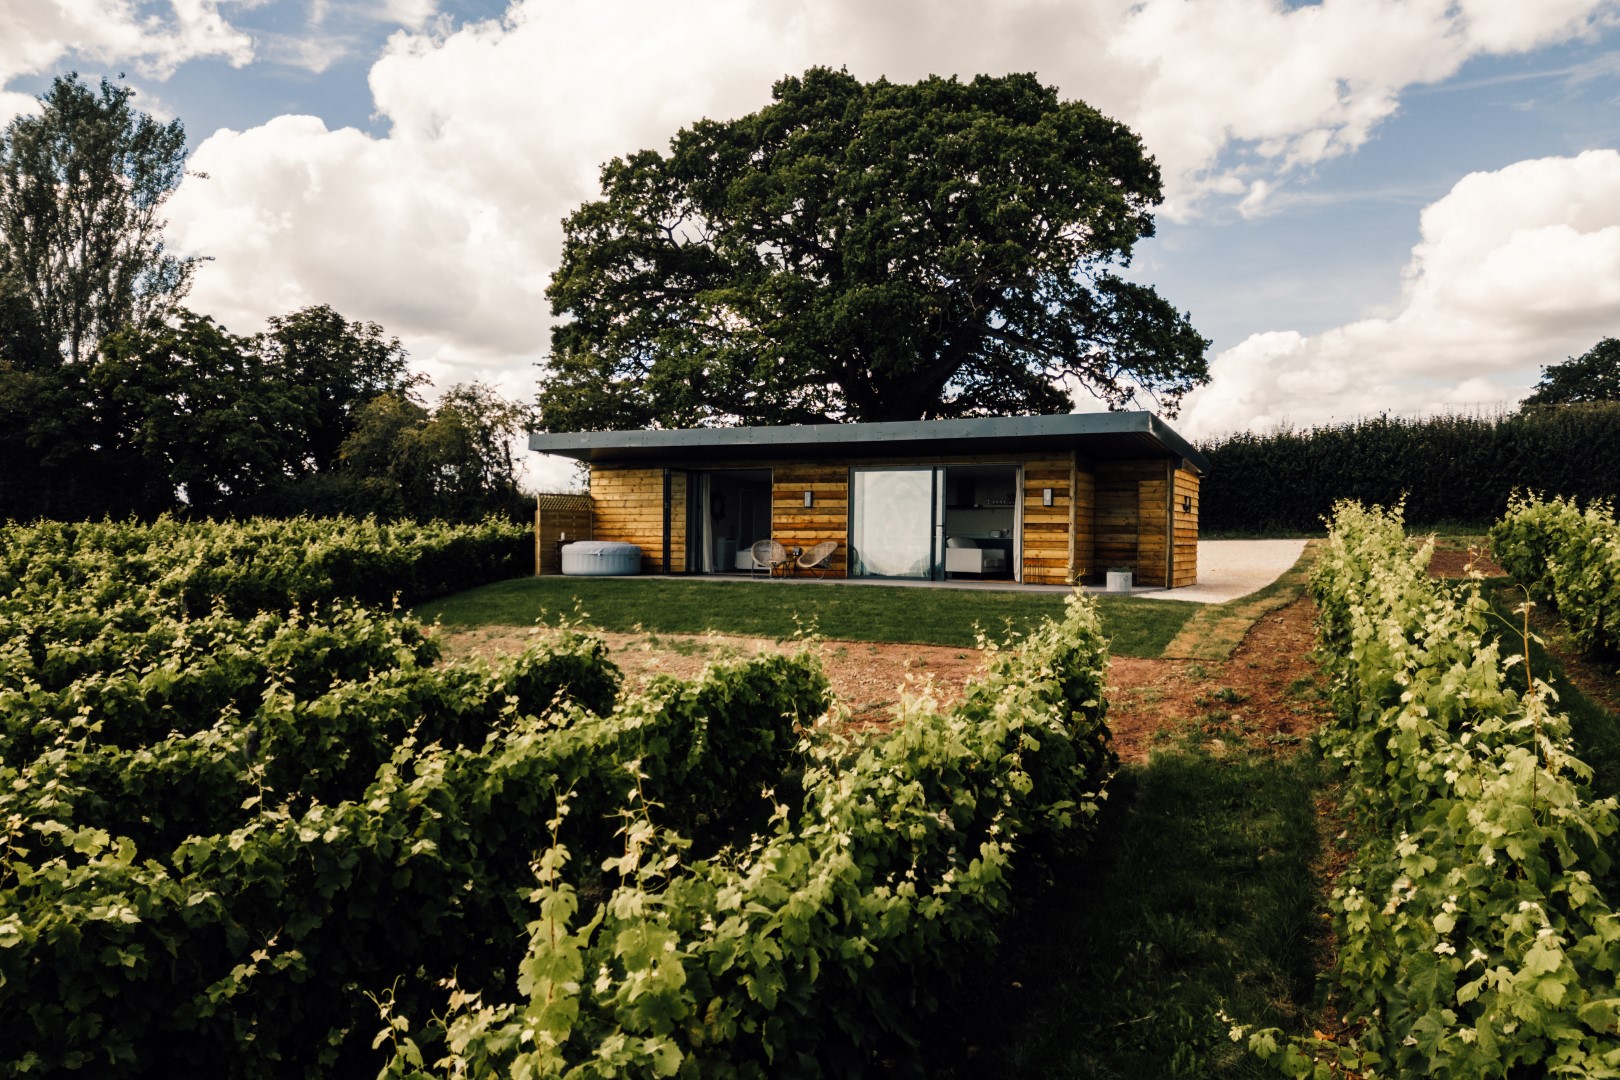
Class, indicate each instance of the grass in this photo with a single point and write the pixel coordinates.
(1136, 626)
(1198, 898)
(1214, 630)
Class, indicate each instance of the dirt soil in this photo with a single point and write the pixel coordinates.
(1267, 691)
(1457, 564)
(865, 676)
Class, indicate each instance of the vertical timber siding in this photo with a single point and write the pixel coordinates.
(1083, 523)
(557, 517)
(1119, 509)
(628, 505)
(795, 525)
(1046, 528)
(1186, 529)
(1152, 532)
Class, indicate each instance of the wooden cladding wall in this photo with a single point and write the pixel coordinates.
(1048, 553)
(628, 505)
(1104, 514)
(1118, 512)
(794, 524)
(558, 518)
(1186, 528)
(1152, 532)
(1083, 523)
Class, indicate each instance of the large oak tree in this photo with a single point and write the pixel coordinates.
(861, 252)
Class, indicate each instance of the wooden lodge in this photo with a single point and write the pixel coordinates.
(1034, 499)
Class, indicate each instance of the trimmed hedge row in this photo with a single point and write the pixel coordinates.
(1473, 940)
(1447, 469)
(823, 939)
(257, 565)
(1569, 556)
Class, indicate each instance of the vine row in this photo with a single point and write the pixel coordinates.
(1473, 938)
(1569, 556)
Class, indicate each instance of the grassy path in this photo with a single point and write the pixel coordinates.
(1202, 898)
(1199, 899)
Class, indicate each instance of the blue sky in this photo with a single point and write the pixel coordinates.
(1401, 205)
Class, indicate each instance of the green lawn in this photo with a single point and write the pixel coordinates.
(778, 609)
(1198, 899)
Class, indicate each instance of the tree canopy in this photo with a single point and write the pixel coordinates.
(316, 414)
(866, 252)
(82, 187)
(1592, 376)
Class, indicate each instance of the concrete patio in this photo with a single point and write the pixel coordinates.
(1227, 569)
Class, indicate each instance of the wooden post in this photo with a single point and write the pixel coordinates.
(558, 518)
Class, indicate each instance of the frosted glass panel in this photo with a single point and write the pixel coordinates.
(893, 527)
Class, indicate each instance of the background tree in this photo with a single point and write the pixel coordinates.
(82, 187)
(454, 461)
(866, 252)
(336, 366)
(193, 418)
(1592, 376)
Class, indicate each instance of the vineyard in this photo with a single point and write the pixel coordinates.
(251, 818)
(255, 825)
(1570, 557)
(1475, 933)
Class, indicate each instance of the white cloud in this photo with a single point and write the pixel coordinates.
(415, 14)
(35, 35)
(446, 229)
(1516, 269)
(1240, 92)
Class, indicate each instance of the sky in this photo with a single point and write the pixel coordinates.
(1371, 206)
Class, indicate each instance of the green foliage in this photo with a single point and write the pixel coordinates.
(314, 415)
(1448, 469)
(256, 565)
(1592, 376)
(802, 951)
(453, 461)
(1474, 940)
(334, 367)
(1569, 556)
(82, 188)
(866, 252)
(191, 409)
(219, 833)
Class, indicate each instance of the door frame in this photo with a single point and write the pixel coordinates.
(936, 521)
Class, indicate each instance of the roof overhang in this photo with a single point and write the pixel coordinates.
(1108, 436)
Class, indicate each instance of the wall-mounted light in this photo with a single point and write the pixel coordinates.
(1046, 496)
(809, 498)
(1186, 504)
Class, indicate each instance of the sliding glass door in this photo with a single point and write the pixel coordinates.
(896, 522)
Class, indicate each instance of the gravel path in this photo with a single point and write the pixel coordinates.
(1228, 569)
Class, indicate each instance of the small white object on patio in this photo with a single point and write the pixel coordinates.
(1228, 569)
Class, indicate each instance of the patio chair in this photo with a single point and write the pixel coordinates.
(818, 560)
(768, 555)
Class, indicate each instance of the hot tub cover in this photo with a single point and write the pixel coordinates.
(594, 558)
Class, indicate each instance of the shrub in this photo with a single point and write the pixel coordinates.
(1474, 940)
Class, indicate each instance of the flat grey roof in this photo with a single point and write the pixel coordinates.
(1108, 435)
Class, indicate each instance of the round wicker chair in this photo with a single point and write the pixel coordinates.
(769, 556)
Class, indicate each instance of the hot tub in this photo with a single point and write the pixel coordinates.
(600, 558)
